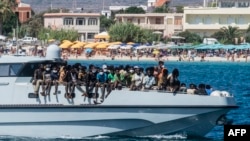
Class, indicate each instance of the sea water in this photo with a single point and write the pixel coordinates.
(233, 77)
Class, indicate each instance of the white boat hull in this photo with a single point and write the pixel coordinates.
(85, 121)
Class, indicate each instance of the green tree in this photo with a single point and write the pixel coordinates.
(45, 34)
(5, 11)
(162, 9)
(219, 35)
(105, 23)
(179, 9)
(191, 37)
(230, 33)
(128, 32)
(247, 34)
(134, 10)
(9, 24)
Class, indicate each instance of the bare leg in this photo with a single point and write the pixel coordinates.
(48, 87)
(56, 87)
(103, 91)
(96, 91)
(43, 89)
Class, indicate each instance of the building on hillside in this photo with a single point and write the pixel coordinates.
(151, 3)
(157, 3)
(167, 23)
(106, 13)
(23, 11)
(87, 24)
(160, 3)
(207, 20)
(117, 8)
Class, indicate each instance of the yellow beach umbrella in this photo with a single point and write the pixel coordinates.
(65, 45)
(118, 43)
(102, 46)
(77, 41)
(91, 45)
(115, 43)
(78, 45)
(66, 41)
(82, 43)
(51, 40)
(102, 35)
(156, 52)
(130, 43)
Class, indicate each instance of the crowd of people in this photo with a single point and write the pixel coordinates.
(107, 78)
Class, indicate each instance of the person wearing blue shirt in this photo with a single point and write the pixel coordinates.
(55, 78)
(208, 89)
(101, 82)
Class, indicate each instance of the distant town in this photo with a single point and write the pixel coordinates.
(193, 21)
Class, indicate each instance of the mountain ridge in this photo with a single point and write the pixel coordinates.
(96, 5)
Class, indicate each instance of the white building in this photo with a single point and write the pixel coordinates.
(87, 24)
(167, 23)
(106, 13)
(151, 3)
(117, 8)
(207, 20)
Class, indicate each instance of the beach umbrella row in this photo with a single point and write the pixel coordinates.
(98, 45)
(222, 46)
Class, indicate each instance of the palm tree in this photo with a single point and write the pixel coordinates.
(230, 33)
(6, 8)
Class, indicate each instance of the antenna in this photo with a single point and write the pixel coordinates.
(102, 4)
(204, 3)
(73, 4)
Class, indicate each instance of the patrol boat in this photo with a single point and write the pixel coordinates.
(122, 113)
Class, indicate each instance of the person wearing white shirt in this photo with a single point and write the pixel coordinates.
(148, 80)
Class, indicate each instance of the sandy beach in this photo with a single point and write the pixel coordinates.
(144, 58)
(168, 58)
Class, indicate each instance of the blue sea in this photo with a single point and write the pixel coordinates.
(233, 77)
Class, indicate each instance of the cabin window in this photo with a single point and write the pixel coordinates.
(130, 20)
(80, 21)
(158, 21)
(4, 69)
(14, 69)
(178, 21)
(68, 21)
(91, 35)
(29, 69)
(169, 21)
(9, 69)
(92, 21)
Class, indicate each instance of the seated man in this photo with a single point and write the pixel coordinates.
(47, 80)
(208, 89)
(137, 79)
(38, 78)
(101, 82)
(174, 83)
(55, 78)
(201, 89)
(148, 80)
(183, 88)
(192, 89)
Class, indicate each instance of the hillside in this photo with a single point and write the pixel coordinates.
(96, 5)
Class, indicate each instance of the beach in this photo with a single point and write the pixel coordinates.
(176, 58)
(165, 58)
